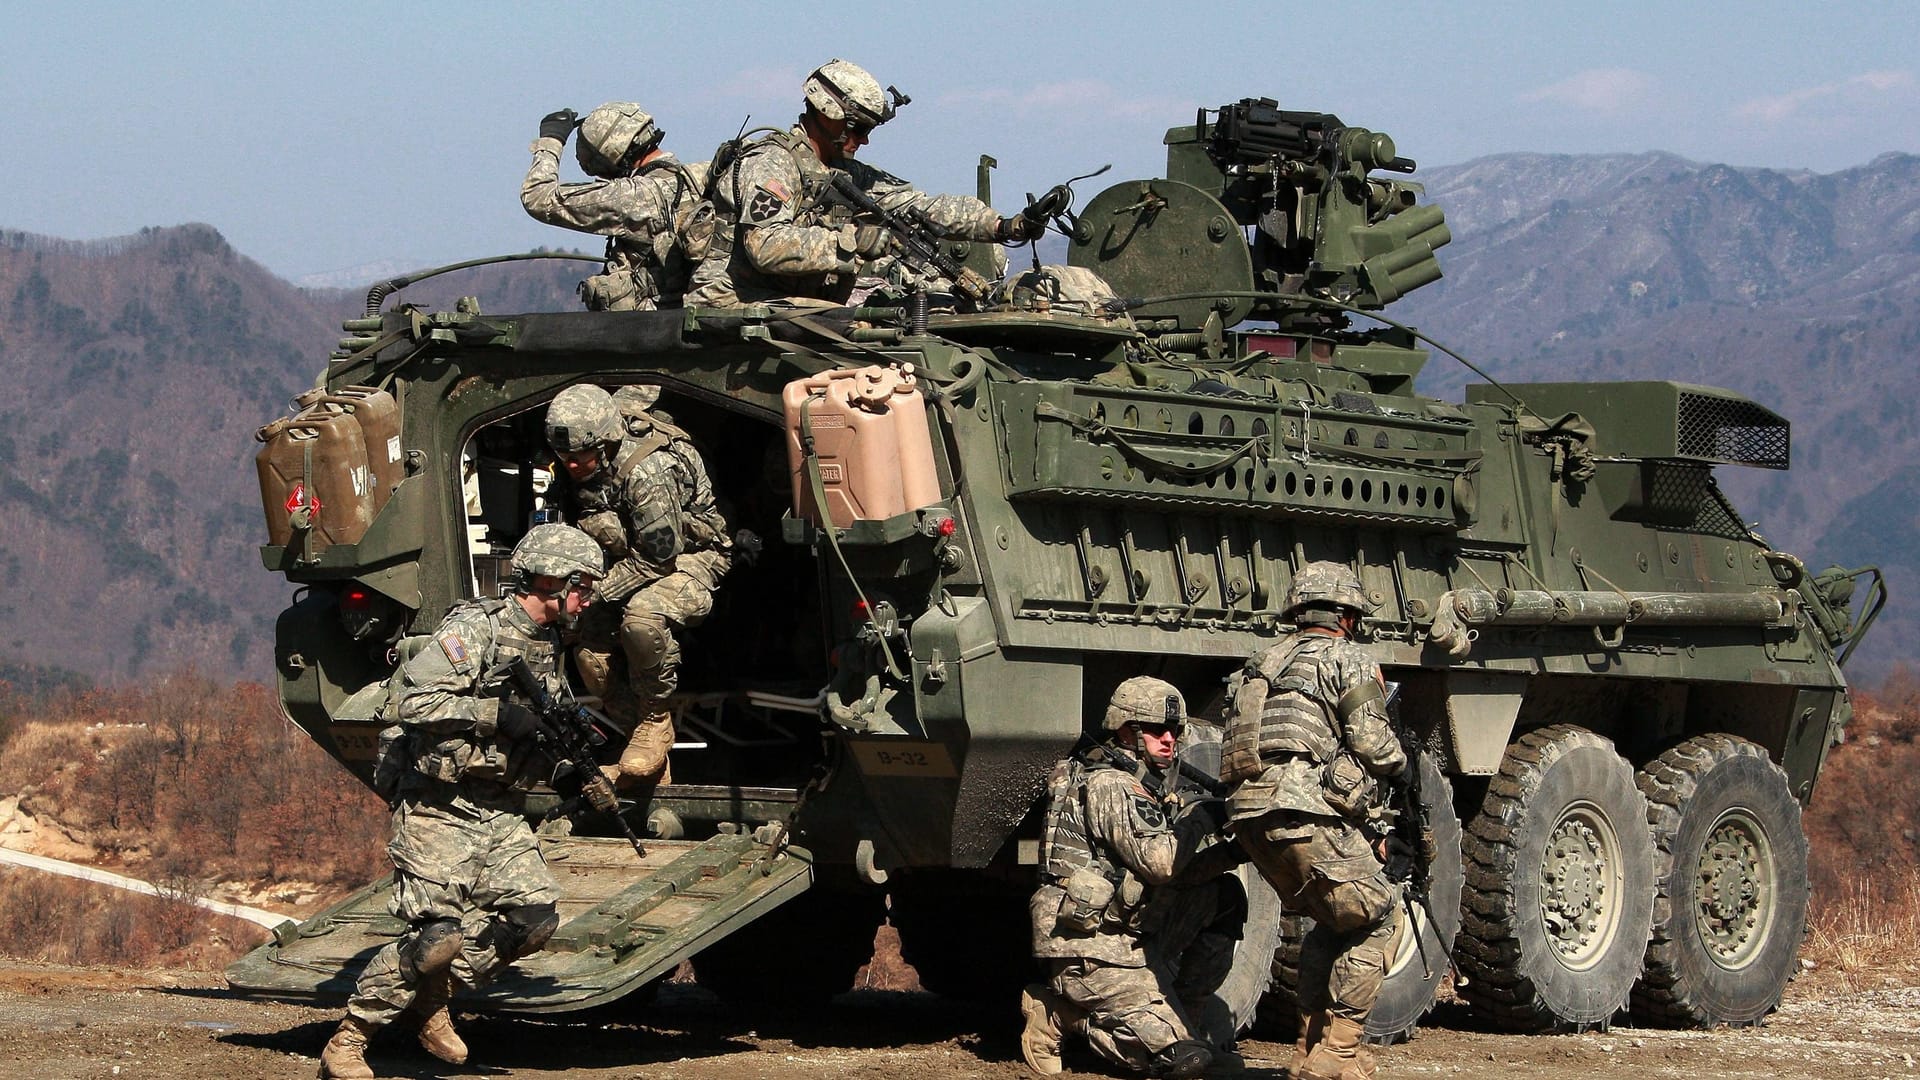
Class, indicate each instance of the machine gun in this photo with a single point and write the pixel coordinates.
(919, 244)
(1256, 130)
(570, 733)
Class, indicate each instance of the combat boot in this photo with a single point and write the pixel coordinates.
(345, 1055)
(1187, 1060)
(1048, 1015)
(1339, 1055)
(1313, 1026)
(436, 1023)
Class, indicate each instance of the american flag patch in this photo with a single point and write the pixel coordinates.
(455, 649)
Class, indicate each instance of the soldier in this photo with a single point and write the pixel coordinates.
(1108, 842)
(1308, 738)
(651, 208)
(780, 236)
(643, 494)
(469, 880)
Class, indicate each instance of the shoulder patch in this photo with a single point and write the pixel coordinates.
(768, 200)
(455, 649)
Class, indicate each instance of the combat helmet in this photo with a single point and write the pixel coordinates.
(613, 137)
(558, 551)
(1144, 699)
(582, 417)
(1323, 585)
(839, 90)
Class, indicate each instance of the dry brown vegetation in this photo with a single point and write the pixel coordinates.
(1864, 833)
(183, 782)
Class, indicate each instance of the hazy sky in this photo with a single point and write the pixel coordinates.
(322, 137)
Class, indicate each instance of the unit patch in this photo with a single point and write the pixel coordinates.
(768, 200)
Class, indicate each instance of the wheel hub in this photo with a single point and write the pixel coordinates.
(1580, 886)
(1732, 892)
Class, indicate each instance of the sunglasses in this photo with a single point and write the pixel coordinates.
(1156, 730)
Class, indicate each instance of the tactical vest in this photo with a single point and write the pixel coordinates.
(810, 208)
(1296, 722)
(459, 757)
(654, 272)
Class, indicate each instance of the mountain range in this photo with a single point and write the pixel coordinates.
(134, 371)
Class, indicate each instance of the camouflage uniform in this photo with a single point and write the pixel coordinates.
(652, 510)
(1108, 845)
(1308, 737)
(637, 214)
(786, 238)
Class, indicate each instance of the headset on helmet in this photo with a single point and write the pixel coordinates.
(1327, 584)
(839, 90)
(613, 137)
(582, 417)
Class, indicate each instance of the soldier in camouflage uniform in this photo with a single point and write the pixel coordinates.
(1308, 742)
(1108, 844)
(651, 208)
(469, 879)
(781, 237)
(644, 495)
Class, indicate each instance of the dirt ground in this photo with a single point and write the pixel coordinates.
(80, 1024)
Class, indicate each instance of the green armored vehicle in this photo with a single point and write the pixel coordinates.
(980, 520)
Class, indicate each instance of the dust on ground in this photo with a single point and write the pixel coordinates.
(88, 1023)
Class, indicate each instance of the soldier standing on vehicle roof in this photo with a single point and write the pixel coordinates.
(781, 238)
(643, 494)
(469, 880)
(651, 208)
(1108, 841)
(1307, 738)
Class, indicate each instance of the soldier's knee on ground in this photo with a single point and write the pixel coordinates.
(429, 948)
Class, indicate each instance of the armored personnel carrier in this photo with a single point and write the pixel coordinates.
(980, 519)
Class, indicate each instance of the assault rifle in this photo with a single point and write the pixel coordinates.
(919, 243)
(1410, 842)
(570, 733)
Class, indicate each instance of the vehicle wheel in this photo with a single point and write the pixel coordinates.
(798, 955)
(1246, 984)
(1730, 865)
(1417, 969)
(1414, 976)
(1558, 902)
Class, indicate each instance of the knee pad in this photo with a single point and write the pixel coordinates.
(430, 947)
(523, 930)
(647, 643)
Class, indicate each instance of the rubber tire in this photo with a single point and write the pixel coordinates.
(1514, 976)
(797, 956)
(1413, 979)
(1246, 985)
(1411, 988)
(1689, 789)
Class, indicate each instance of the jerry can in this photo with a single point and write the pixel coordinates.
(870, 433)
(379, 418)
(315, 485)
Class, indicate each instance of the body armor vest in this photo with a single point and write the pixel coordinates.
(461, 757)
(1296, 722)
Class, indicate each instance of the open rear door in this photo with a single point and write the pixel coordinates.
(624, 922)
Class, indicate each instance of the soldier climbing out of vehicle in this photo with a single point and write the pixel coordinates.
(651, 208)
(1308, 740)
(784, 238)
(469, 880)
(1108, 845)
(641, 490)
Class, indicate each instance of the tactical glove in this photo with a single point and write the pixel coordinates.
(1019, 229)
(517, 723)
(866, 241)
(747, 546)
(558, 125)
